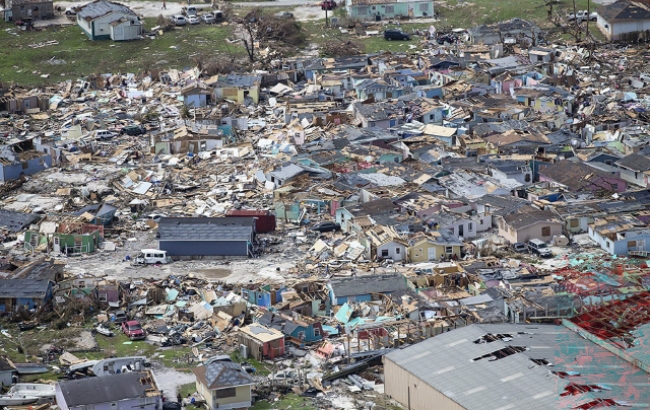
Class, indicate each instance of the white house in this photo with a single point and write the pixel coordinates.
(103, 19)
(620, 234)
(624, 20)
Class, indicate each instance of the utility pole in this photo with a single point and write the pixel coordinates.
(588, 18)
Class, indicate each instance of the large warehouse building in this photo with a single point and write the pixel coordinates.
(502, 367)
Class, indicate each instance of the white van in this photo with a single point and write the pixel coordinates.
(149, 256)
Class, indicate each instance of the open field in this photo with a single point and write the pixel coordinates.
(75, 55)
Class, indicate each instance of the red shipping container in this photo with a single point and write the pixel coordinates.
(265, 219)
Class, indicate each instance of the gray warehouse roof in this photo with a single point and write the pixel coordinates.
(558, 370)
(205, 229)
(107, 389)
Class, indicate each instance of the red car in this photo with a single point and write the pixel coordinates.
(133, 330)
(328, 5)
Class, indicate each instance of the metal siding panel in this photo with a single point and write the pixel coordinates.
(204, 248)
(423, 397)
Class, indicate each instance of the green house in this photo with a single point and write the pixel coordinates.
(373, 10)
(72, 243)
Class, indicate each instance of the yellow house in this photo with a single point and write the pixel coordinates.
(236, 87)
(432, 246)
(224, 385)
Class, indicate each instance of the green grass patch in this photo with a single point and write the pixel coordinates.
(120, 346)
(289, 401)
(76, 55)
(260, 368)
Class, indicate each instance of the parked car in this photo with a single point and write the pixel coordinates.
(519, 247)
(540, 248)
(193, 19)
(189, 11)
(120, 317)
(179, 20)
(328, 5)
(70, 11)
(326, 227)
(394, 34)
(133, 130)
(133, 330)
(208, 18)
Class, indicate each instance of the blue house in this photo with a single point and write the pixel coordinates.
(24, 293)
(298, 331)
(265, 296)
(104, 213)
(360, 289)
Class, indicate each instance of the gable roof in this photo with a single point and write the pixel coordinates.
(205, 229)
(575, 175)
(100, 8)
(635, 162)
(624, 10)
(529, 216)
(219, 375)
(108, 389)
(362, 285)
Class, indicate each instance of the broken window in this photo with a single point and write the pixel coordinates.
(631, 244)
(389, 9)
(574, 223)
(546, 231)
(501, 353)
(384, 253)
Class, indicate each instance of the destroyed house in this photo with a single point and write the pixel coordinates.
(481, 367)
(123, 391)
(27, 294)
(224, 385)
(11, 221)
(262, 342)
(361, 288)
(205, 237)
(579, 177)
(381, 115)
(29, 10)
(297, 330)
(620, 234)
(236, 87)
(346, 216)
(22, 158)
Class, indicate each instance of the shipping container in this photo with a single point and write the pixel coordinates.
(265, 219)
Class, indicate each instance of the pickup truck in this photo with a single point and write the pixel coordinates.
(133, 330)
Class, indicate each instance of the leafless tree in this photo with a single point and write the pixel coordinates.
(260, 30)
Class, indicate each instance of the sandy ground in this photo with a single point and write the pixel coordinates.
(112, 265)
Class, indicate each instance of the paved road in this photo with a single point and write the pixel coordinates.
(279, 3)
